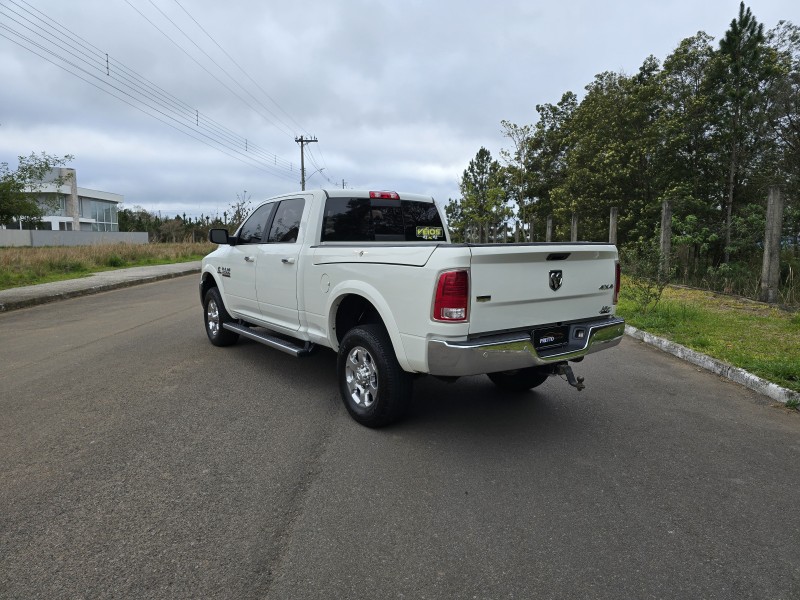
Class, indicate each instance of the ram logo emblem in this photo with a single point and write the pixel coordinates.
(556, 279)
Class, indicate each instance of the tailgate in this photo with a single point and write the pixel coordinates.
(511, 284)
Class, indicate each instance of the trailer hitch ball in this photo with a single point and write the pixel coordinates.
(565, 370)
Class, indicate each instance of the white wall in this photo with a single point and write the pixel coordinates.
(15, 237)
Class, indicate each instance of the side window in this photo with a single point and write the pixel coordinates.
(286, 225)
(254, 228)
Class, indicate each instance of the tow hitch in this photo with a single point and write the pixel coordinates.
(565, 370)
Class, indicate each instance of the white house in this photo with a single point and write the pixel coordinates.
(79, 209)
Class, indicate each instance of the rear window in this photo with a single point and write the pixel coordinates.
(380, 220)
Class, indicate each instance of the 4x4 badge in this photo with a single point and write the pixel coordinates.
(556, 279)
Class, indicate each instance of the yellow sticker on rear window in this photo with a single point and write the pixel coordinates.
(430, 233)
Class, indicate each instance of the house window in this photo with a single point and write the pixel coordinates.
(105, 215)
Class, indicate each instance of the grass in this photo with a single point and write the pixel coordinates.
(759, 338)
(30, 266)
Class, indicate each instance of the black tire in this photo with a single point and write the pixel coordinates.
(214, 317)
(520, 380)
(374, 388)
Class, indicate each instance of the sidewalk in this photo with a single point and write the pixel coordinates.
(97, 282)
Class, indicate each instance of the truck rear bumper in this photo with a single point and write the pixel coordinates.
(516, 350)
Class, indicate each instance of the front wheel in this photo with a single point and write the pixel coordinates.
(374, 388)
(519, 380)
(215, 316)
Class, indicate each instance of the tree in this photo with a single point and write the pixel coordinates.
(611, 145)
(20, 190)
(743, 75)
(688, 160)
(171, 230)
(785, 40)
(482, 194)
(545, 159)
(455, 220)
(239, 210)
(518, 186)
(711, 131)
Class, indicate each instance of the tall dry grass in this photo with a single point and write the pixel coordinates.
(29, 266)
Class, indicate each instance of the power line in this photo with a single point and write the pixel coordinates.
(122, 99)
(272, 122)
(88, 62)
(217, 79)
(128, 102)
(245, 73)
(253, 81)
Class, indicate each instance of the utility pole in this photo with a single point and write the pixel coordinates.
(303, 141)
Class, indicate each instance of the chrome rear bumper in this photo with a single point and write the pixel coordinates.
(516, 350)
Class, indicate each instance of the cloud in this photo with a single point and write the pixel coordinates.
(400, 95)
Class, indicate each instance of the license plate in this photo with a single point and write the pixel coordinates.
(550, 337)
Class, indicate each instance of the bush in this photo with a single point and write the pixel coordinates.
(115, 260)
(647, 276)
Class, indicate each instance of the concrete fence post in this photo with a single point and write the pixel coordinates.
(612, 226)
(574, 228)
(666, 236)
(771, 267)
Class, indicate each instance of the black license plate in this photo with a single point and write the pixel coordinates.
(550, 337)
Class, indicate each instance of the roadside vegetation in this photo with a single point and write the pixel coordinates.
(759, 338)
(30, 266)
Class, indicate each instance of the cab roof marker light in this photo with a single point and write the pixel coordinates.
(385, 195)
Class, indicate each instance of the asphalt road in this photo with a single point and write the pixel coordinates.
(139, 461)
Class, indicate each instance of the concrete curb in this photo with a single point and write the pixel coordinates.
(25, 297)
(735, 374)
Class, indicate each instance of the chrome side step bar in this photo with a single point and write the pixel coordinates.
(272, 341)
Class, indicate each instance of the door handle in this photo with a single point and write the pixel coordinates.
(288, 261)
(249, 259)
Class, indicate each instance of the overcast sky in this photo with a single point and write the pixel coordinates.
(400, 94)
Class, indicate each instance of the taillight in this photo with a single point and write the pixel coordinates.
(452, 297)
(617, 279)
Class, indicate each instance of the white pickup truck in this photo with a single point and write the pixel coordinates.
(373, 276)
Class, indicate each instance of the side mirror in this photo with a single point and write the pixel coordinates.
(219, 236)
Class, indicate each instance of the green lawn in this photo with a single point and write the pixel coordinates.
(761, 339)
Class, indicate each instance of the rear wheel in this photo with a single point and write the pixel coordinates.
(374, 388)
(519, 380)
(215, 316)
